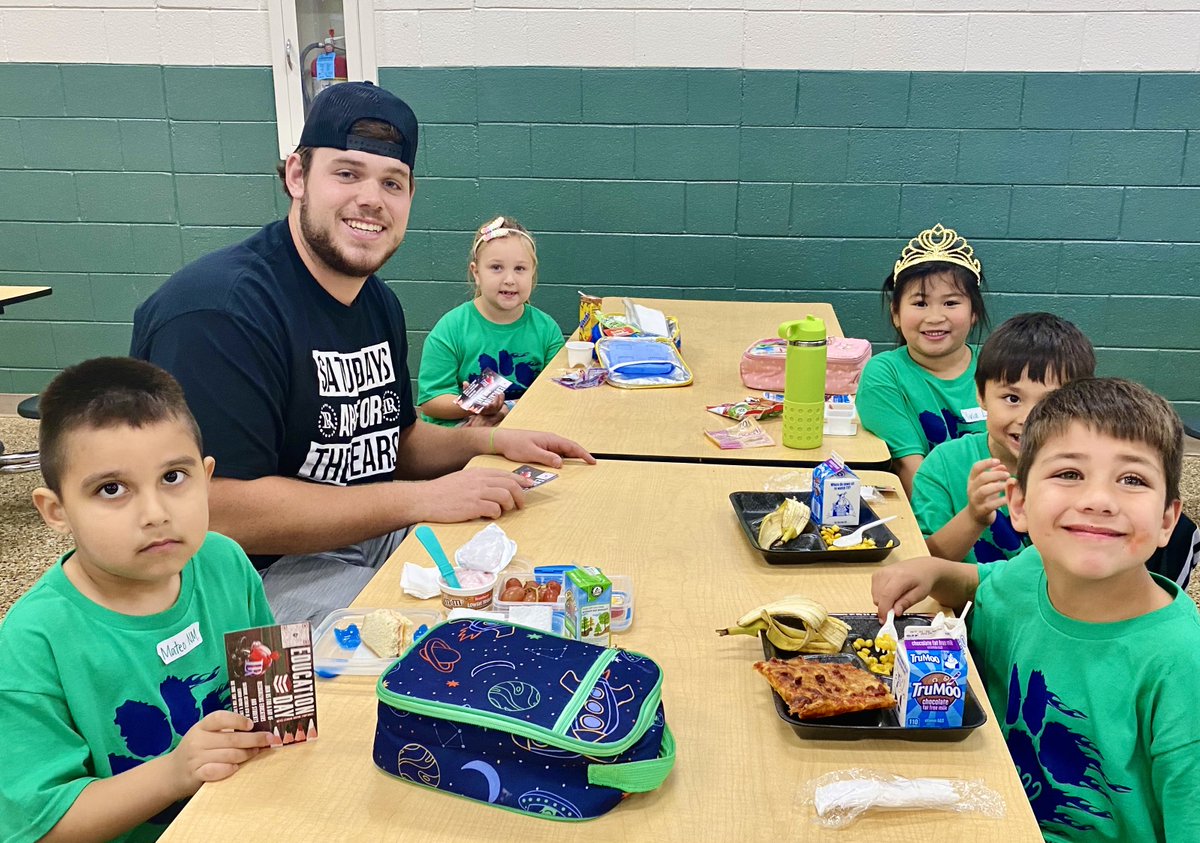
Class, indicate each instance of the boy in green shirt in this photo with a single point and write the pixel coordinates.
(1089, 659)
(114, 684)
(958, 492)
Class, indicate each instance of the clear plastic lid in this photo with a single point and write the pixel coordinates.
(331, 659)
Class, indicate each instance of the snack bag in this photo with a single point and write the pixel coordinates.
(589, 306)
(836, 493)
(750, 407)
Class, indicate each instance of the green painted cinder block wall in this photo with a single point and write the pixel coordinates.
(1081, 192)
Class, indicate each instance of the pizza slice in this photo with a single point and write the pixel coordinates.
(820, 689)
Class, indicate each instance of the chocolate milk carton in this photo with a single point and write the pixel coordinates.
(930, 681)
(836, 493)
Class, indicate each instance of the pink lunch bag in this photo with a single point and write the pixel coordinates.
(763, 364)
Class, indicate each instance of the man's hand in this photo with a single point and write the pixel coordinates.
(985, 490)
(472, 493)
(904, 584)
(537, 447)
(212, 750)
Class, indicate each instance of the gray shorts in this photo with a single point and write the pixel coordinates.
(308, 586)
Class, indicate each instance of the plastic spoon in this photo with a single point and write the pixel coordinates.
(856, 537)
(434, 548)
(889, 629)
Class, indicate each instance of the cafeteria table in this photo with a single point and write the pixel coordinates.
(16, 295)
(741, 771)
(668, 424)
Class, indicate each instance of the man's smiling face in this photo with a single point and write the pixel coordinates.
(354, 208)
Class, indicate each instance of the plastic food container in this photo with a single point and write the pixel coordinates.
(558, 607)
(622, 602)
(331, 659)
(472, 597)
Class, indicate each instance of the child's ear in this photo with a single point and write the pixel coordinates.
(1170, 519)
(209, 464)
(50, 507)
(1016, 505)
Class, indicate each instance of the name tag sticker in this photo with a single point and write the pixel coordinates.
(181, 644)
(974, 414)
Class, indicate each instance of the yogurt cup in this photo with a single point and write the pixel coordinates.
(473, 596)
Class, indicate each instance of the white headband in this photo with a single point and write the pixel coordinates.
(494, 230)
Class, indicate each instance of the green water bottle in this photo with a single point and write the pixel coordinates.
(804, 390)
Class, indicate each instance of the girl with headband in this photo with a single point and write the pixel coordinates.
(498, 329)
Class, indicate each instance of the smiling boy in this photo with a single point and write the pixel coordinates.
(1089, 660)
(958, 492)
(113, 687)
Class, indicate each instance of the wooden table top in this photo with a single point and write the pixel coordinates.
(670, 423)
(16, 295)
(740, 769)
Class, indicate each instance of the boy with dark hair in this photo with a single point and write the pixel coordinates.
(1088, 659)
(114, 686)
(958, 492)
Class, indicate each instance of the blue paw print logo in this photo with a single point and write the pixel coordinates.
(510, 365)
(1061, 769)
(1004, 540)
(941, 427)
(149, 729)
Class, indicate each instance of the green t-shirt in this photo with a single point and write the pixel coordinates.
(913, 410)
(84, 693)
(1100, 719)
(940, 493)
(463, 343)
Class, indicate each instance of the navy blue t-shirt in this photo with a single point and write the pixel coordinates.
(282, 378)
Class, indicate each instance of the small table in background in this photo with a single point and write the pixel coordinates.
(16, 295)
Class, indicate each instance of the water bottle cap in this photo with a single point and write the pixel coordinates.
(808, 329)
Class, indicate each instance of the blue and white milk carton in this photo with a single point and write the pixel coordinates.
(836, 493)
(930, 682)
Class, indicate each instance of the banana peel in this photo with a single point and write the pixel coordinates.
(784, 523)
(794, 624)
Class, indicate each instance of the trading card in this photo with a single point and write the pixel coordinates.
(537, 475)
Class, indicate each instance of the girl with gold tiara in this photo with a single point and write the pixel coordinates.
(498, 329)
(922, 393)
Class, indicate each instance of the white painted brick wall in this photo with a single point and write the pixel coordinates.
(1033, 35)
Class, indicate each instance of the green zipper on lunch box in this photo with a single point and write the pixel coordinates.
(550, 737)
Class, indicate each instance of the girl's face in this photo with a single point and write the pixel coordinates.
(934, 317)
(503, 270)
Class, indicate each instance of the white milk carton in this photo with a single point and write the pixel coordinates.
(836, 493)
(930, 681)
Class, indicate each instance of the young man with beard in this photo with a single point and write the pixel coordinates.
(293, 357)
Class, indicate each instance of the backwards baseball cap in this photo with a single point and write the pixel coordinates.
(336, 109)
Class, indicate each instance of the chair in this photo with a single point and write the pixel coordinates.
(19, 463)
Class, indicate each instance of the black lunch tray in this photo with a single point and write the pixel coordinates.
(880, 723)
(752, 507)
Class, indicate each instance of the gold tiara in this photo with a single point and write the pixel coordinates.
(497, 228)
(938, 244)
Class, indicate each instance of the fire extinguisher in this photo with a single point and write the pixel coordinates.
(328, 68)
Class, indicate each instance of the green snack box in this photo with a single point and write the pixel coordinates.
(588, 606)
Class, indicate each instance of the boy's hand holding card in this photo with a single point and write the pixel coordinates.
(271, 680)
